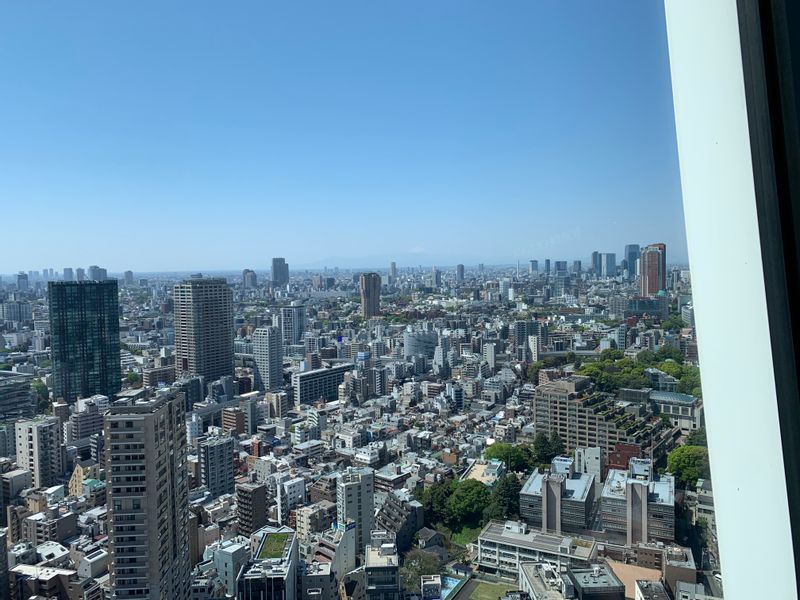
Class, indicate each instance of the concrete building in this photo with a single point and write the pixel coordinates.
(268, 355)
(639, 503)
(272, 571)
(503, 546)
(293, 324)
(216, 465)
(559, 500)
(203, 328)
(251, 507)
(84, 338)
(17, 398)
(38, 443)
(402, 515)
(355, 494)
(280, 272)
(596, 582)
(310, 386)
(653, 269)
(369, 285)
(382, 567)
(317, 581)
(145, 444)
(583, 418)
(684, 410)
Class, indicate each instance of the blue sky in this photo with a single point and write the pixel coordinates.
(211, 135)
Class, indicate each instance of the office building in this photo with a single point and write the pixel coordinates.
(251, 507)
(558, 500)
(145, 443)
(355, 493)
(459, 273)
(608, 264)
(631, 257)
(16, 312)
(369, 285)
(639, 503)
(268, 356)
(127, 278)
(382, 567)
(68, 274)
(17, 398)
(393, 270)
(203, 328)
(80, 274)
(38, 443)
(503, 546)
(293, 324)
(84, 339)
(653, 269)
(280, 272)
(249, 279)
(216, 465)
(310, 386)
(272, 572)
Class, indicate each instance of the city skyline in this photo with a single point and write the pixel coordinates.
(472, 118)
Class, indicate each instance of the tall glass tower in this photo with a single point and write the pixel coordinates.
(84, 331)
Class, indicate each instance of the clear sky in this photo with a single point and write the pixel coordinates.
(214, 135)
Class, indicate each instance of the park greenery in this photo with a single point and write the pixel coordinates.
(613, 370)
(688, 464)
(523, 458)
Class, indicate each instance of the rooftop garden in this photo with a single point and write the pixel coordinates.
(273, 546)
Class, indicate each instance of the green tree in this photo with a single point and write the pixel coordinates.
(514, 457)
(541, 448)
(504, 503)
(555, 445)
(434, 501)
(697, 438)
(133, 377)
(688, 464)
(466, 504)
(673, 323)
(690, 381)
(417, 563)
(533, 371)
(671, 368)
(667, 351)
(40, 387)
(611, 354)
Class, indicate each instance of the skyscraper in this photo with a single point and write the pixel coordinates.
(355, 494)
(249, 278)
(631, 258)
(547, 266)
(68, 274)
(268, 355)
(23, 282)
(596, 263)
(369, 285)
(80, 274)
(653, 269)
(128, 277)
(203, 328)
(392, 270)
(293, 324)
(39, 449)
(84, 330)
(280, 272)
(148, 502)
(459, 273)
(608, 264)
(97, 273)
(533, 267)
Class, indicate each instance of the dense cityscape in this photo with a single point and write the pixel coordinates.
(526, 432)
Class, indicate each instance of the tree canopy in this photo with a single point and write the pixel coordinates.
(688, 464)
(466, 504)
(697, 437)
(418, 563)
(504, 502)
(515, 457)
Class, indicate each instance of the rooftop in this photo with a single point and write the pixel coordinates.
(273, 546)
(515, 534)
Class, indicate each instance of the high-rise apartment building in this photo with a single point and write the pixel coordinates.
(355, 495)
(216, 465)
(631, 256)
(203, 328)
(653, 269)
(268, 355)
(251, 507)
(84, 338)
(80, 274)
(97, 273)
(393, 270)
(310, 386)
(39, 449)
(127, 277)
(68, 274)
(293, 324)
(369, 284)
(280, 272)
(148, 503)
(459, 273)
